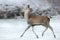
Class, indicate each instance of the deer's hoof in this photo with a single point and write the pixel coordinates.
(54, 36)
(21, 35)
(42, 35)
(37, 36)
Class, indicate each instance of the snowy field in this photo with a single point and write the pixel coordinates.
(11, 29)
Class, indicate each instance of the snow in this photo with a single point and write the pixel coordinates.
(11, 29)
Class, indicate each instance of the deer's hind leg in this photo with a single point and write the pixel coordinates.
(52, 31)
(48, 26)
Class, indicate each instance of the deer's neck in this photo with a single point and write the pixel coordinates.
(26, 14)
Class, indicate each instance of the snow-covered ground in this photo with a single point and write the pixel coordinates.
(11, 29)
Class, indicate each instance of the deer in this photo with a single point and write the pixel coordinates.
(34, 20)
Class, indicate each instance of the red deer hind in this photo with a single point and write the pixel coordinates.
(33, 20)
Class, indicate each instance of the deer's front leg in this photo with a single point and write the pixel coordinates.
(34, 32)
(26, 30)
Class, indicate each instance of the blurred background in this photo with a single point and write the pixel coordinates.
(14, 8)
